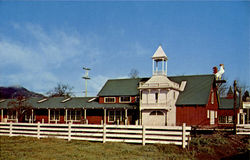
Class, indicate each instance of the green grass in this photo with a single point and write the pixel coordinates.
(24, 148)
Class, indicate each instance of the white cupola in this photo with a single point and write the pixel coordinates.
(159, 62)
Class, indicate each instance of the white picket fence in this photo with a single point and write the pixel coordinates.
(243, 129)
(178, 135)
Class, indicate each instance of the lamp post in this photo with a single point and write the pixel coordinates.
(86, 77)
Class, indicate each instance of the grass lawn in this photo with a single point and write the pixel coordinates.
(23, 148)
(202, 147)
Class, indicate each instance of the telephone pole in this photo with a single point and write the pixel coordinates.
(86, 77)
(235, 103)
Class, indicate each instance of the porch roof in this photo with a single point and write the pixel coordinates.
(63, 103)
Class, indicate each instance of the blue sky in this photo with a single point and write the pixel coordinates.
(44, 43)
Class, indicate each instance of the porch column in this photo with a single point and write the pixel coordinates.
(16, 116)
(32, 116)
(126, 116)
(243, 117)
(66, 115)
(104, 121)
(48, 115)
(1, 115)
(85, 115)
(238, 118)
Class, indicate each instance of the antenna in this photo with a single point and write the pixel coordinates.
(86, 77)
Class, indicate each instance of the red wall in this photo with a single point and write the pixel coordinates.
(196, 115)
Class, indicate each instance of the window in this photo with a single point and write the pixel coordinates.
(11, 114)
(114, 115)
(125, 99)
(54, 115)
(156, 97)
(226, 119)
(109, 99)
(156, 113)
(74, 115)
(212, 97)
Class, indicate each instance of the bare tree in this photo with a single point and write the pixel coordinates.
(61, 90)
(134, 73)
(21, 107)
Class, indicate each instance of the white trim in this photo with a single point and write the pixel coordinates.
(109, 97)
(125, 101)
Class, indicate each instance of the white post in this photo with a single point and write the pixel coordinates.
(238, 118)
(66, 115)
(42, 121)
(10, 128)
(85, 115)
(126, 116)
(32, 116)
(48, 115)
(184, 135)
(143, 135)
(69, 133)
(153, 66)
(1, 115)
(105, 116)
(38, 130)
(243, 117)
(16, 116)
(104, 133)
(162, 65)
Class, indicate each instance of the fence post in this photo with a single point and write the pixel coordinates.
(143, 135)
(184, 135)
(69, 134)
(104, 133)
(38, 130)
(10, 128)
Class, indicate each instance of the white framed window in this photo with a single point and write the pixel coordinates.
(212, 97)
(109, 100)
(156, 113)
(226, 119)
(125, 99)
(114, 115)
(74, 115)
(208, 113)
(54, 115)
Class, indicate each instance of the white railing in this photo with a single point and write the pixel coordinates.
(243, 129)
(178, 135)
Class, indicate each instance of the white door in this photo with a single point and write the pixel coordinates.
(156, 118)
(211, 117)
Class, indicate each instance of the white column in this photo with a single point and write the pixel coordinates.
(153, 67)
(162, 66)
(66, 115)
(1, 115)
(105, 116)
(85, 114)
(166, 67)
(32, 116)
(48, 115)
(238, 118)
(126, 116)
(16, 116)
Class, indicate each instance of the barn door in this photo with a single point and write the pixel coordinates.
(212, 119)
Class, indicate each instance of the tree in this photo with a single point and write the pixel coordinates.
(133, 73)
(246, 94)
(61, 90)
(21, 107)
